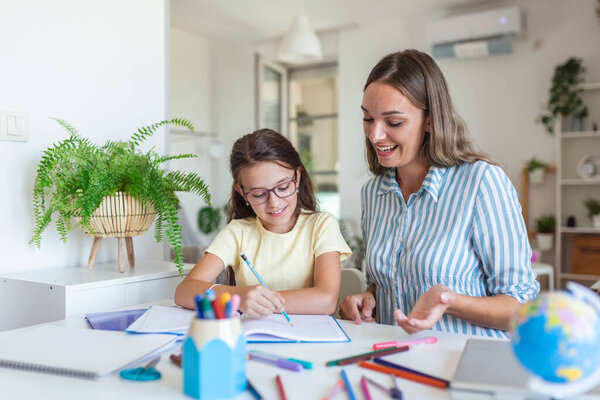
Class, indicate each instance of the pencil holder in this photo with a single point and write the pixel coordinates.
(214, 359)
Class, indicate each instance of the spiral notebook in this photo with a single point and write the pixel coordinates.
(82, 353)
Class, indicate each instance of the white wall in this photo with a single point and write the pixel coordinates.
(498, 96)
(212, 84)
(99, 65)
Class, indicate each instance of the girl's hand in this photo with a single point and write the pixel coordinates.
(429, 309)
(358, 307)
(258, 301)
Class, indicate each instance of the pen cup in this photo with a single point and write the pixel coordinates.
(214, 359)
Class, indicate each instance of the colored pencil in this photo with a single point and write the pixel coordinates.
(437, 382)
(348, 385)
(365, 388)
(366, 356)
(280, 387)
(385, 345)
(406, 369)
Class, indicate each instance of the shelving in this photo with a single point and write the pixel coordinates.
(572, 190)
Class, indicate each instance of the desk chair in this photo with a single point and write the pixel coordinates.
(353, 282)
(544, 269)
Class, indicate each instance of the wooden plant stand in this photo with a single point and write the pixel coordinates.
(120, 216)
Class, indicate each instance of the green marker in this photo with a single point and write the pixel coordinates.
(207, 309)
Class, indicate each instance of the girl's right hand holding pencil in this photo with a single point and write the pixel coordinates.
(258, 301)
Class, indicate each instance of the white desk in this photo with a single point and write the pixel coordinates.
(438, 359)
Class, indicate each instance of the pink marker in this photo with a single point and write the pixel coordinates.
(235, 304)
(385, 345)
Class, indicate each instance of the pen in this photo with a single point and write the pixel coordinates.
(365, 388)
(351, 395)
(305, 364)
(262, 283)
(339, 385)
(401, 368)
(437, 382)
(385, 345)
(279, 362)
(280, 387)
(253, 390)
(366, 356)
(199, 306)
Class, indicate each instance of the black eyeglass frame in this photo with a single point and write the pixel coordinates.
(294, 180)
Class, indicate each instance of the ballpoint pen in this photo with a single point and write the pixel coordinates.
(255, 272)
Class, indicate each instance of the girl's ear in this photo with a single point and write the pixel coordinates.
(238, 189)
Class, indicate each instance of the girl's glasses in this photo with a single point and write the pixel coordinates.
(261, 196)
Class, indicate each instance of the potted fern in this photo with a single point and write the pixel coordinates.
(536, 170)
(546, 226)
(114, 190)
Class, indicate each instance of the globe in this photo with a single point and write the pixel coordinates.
(556, 337)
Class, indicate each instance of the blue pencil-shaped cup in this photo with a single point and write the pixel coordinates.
(214, 359)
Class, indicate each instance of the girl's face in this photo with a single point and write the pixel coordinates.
(395, 126)
(271, 191)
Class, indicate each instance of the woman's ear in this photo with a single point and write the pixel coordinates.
(298, 176)
(427, 124)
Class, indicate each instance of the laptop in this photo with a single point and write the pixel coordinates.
(488, 370)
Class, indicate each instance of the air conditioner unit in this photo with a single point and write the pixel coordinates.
(476, 34)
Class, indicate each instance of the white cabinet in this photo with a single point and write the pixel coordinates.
(573, 188)
(34, 297)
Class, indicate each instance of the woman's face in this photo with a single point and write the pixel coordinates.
(394, 126)
(271, 191)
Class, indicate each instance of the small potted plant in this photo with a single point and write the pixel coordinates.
(114, 190)
(593, 208)
(564, 99)
(546, 225)
(536, 170)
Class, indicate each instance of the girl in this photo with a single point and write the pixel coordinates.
(274, 222)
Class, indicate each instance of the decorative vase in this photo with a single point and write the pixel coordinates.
(119, 216)
(544, 241)
(536, 177)
(596, 221)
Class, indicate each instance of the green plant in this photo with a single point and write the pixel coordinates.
(356, 244)
(74, 175)
(209, 219)
(546, 224)
(593, 207)
(534, 164)
(564, 99)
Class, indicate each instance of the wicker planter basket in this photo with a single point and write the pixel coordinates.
(119, 216)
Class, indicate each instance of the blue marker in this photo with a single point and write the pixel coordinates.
(262, 283)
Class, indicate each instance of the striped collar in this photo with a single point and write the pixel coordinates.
(431, 183)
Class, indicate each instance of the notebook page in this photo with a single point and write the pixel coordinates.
(162, 319)
(72, 351)
(307, 328)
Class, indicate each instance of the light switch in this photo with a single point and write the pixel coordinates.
(13, 126)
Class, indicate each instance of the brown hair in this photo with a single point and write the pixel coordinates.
(266, 145)
(418, 77)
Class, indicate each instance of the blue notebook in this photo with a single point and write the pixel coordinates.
(113, 320)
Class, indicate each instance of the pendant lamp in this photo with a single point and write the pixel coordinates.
(300, 44)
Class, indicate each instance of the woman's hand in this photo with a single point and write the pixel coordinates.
(429, 309)
(358, 307)
(258, 301)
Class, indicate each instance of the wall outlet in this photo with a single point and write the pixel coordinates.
(14, 126)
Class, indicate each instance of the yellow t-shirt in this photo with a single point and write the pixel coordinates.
(283, 260)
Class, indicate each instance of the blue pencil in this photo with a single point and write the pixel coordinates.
(348, 386)
(255, 272)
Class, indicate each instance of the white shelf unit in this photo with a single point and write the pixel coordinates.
(572, 190)
(35, 297)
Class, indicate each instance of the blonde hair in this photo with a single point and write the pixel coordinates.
(417, 76)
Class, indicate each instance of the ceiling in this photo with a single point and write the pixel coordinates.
(254, 21)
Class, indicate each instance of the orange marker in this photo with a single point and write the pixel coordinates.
(431, 381)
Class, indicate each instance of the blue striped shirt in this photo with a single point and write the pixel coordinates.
(463, 228)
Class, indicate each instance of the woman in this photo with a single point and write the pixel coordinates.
(446, 245)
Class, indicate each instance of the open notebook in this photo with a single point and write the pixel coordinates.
(83, 353)
(274, 328)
